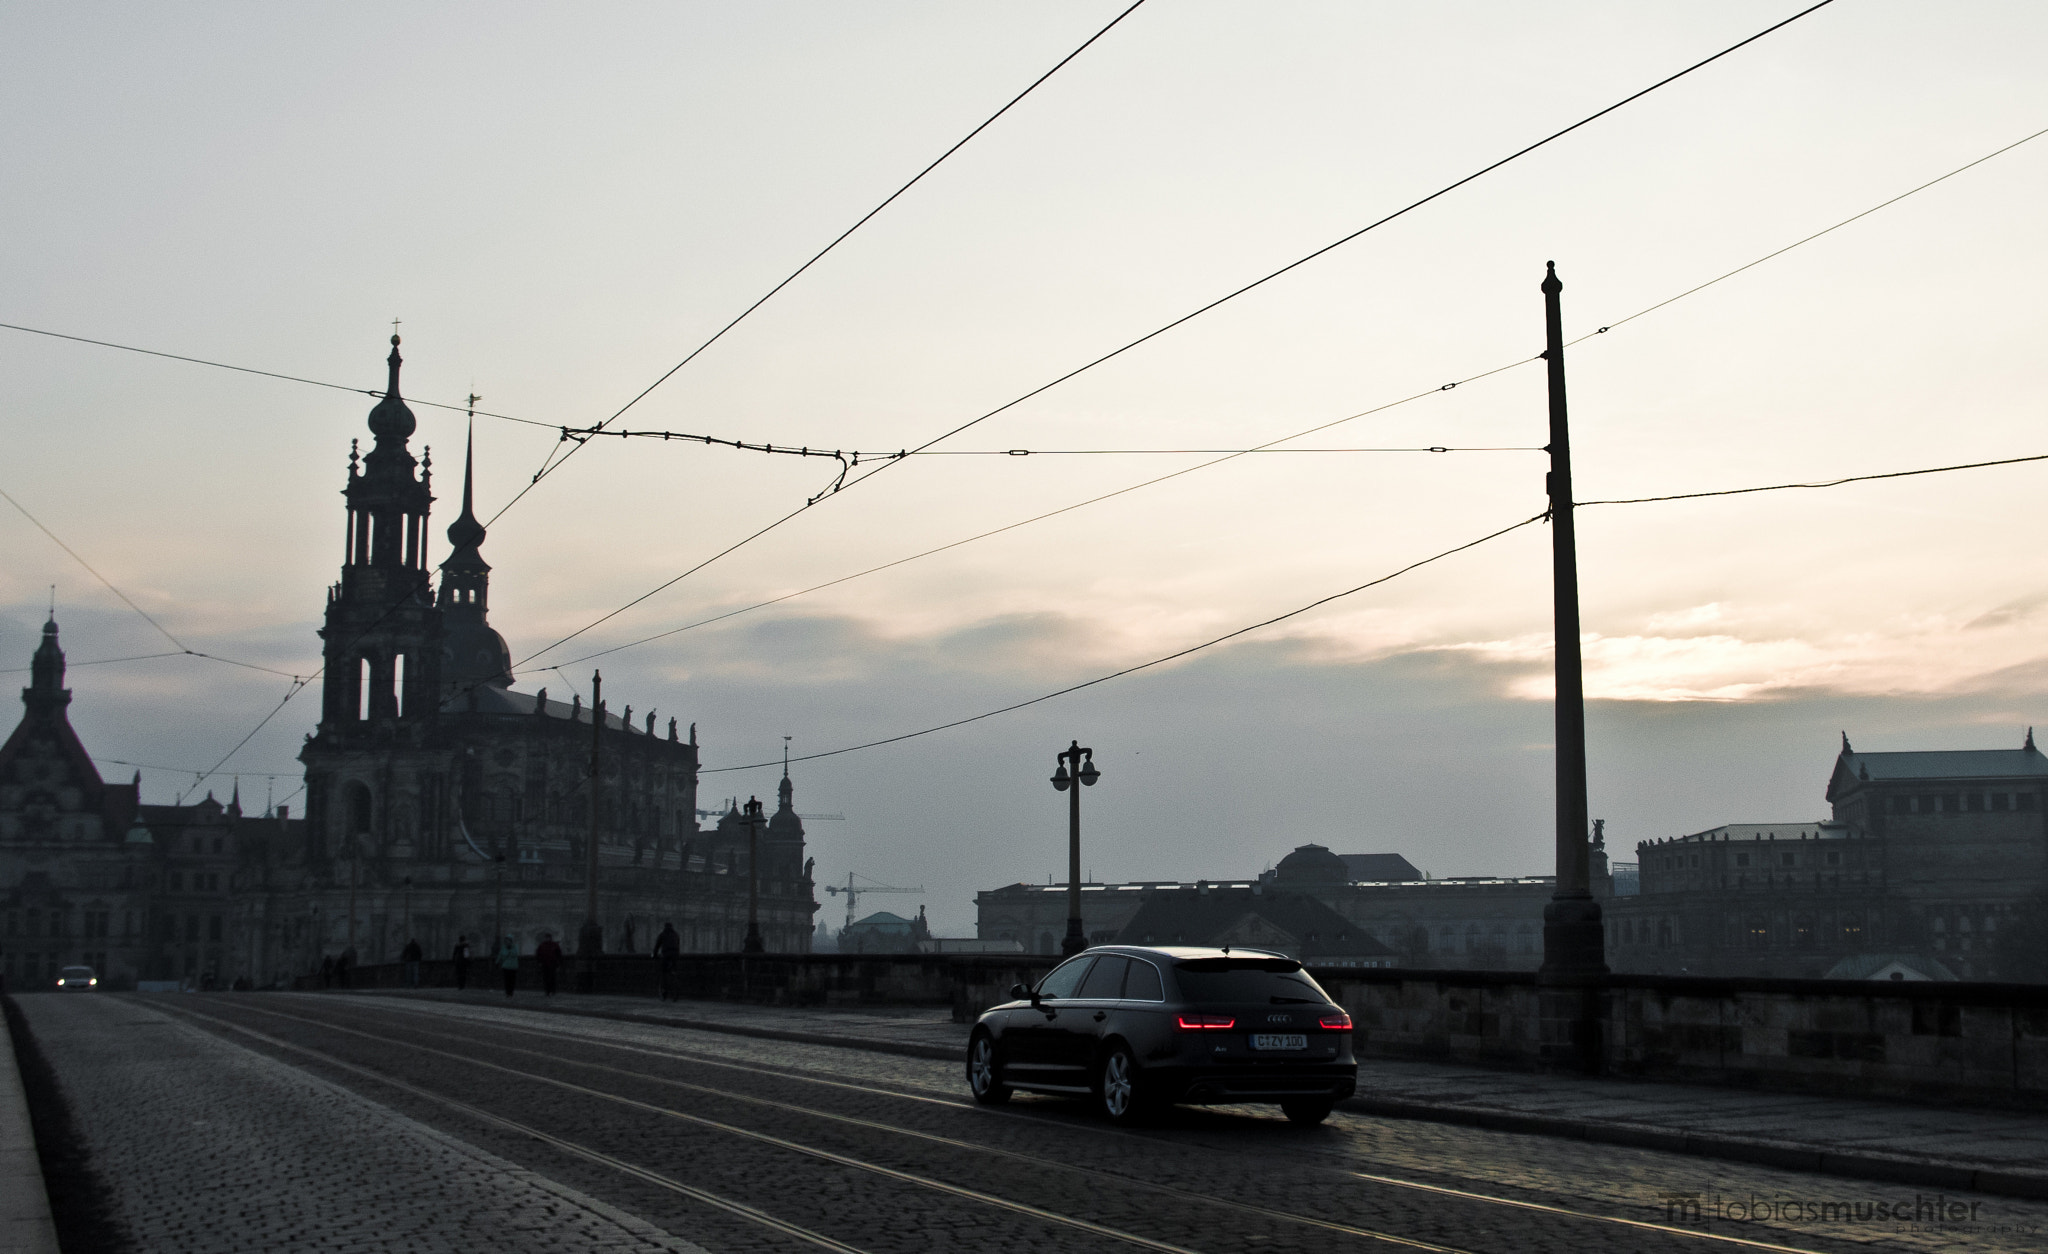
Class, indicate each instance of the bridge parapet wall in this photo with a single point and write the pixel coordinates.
(1967, 1042)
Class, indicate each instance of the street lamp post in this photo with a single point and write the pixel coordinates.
(499, 939)
(1082, 762)
(590, 943)
(753, 942)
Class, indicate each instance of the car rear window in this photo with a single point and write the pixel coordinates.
(1269, 980)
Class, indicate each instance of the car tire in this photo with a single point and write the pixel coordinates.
(1120, 1092)
(985, 1071)
(1307, 1111)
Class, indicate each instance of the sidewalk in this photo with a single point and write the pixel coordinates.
(25, 1225)
(1931, 1146)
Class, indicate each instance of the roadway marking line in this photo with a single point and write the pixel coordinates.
(951, 1142)
(1560, 1210)
(844, 1160)
(569, 1147)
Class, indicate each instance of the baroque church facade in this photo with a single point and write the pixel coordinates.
(440, 802)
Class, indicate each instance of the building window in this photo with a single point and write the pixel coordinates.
(35, 923)
(1852, 930)
(2023, 801)
(1759, 930)
(1788, 859)
(213, 928)
(191, 927)
(1802, 932)
(1902, 805)
(1695, 859)
(1834, 859)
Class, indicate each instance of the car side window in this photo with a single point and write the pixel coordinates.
(1142, 984)
(1105, 979)
(1066, 977)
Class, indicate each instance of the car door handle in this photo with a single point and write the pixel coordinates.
(1100, 1015)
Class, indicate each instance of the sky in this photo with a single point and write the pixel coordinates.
(559, 204)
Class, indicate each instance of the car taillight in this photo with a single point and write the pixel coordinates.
(1339, 1022)
(1205, 1023)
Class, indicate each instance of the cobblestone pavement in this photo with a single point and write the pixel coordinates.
(1962, 1137)
(208, 1146)
(883, 1153)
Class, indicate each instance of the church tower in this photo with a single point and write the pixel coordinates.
(472, 654)
(382, 650)
(382, 635)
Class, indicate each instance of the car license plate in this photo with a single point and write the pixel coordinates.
(1276, 1040)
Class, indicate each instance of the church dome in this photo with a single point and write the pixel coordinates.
(1312, 864)
(392, 417)
(473, 653)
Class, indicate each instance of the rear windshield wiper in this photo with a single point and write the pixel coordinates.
(1294, 1001)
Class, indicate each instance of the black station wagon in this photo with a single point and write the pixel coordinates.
(1134, 1029)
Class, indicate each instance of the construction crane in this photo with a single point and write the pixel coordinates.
(853, 892)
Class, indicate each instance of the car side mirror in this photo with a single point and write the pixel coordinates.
(1024, 992)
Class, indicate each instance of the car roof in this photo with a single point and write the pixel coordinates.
(69, 970)
(1182, 953)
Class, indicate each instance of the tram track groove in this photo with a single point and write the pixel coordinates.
(634, 1170)
(560, 1034)
(845, 1160)
(1167, 1190)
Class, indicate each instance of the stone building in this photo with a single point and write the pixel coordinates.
(1935, 861)
(1477, 922)
(440, 802)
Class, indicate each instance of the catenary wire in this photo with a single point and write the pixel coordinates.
(1271, 445)
(1824, 483)
(130, 603)
(1158, 661)
(1339, 243)
(551, 463)
(1643, 500)
(844, 483)
(739, 444)
(268, 374)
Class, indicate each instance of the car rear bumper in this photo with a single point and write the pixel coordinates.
(1254, 1083)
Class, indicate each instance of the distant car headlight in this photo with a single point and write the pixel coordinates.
(92, 983)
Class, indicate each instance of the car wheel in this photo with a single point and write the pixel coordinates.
(984, 1076)
(1307, 1111)
(1118, 1088)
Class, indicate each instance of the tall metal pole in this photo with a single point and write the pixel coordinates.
(753, 943)
(499, 939)
(1574, 952)
(590, 943)
(1075, 941)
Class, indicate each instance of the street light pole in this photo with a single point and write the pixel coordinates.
(590, 942)
(1083, 763)
(499, 939)
(753, 942)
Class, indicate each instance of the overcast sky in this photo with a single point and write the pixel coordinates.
(559, 203)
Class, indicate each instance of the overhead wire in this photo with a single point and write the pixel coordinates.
(548, 466)
(844, 483)
(268, 374)
(1158, 661)
(1436, 557)
(551, 464)
(182, 647)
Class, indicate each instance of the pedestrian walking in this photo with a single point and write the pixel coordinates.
(508, 962)
(666, 947)
(461, 957)
(326, 970)
(343, 965)
(549, 955)
(411, 956)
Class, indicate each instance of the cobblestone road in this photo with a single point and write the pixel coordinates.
(371, 1124)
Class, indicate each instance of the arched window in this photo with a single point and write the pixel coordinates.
(1759, 931)
(1802, 931)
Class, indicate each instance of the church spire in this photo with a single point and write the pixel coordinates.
(46, 694)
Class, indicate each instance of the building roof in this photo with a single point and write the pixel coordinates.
(1241, 916)
(1312, 864)
(1853, 769)
(1380, 868)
